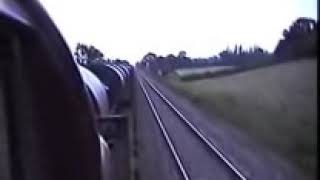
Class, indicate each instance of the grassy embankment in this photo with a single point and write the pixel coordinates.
(276, 105)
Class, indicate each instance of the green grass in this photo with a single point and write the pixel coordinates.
(276, 105)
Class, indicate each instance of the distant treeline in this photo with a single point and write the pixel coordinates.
(238, 57)
(299, 40)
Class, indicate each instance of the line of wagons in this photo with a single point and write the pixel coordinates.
(108, 85)
(51, 108)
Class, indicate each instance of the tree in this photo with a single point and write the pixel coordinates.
(240, 49)
(170, 56)
(94, 53)
(299, 40)
(80, 53)
(286, 34)
(235, 49)
(85, 54)
(182, 54)
(257, 49)
(150, 56)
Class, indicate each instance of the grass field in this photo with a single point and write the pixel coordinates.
(277, 105)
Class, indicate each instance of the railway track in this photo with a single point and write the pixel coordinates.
(196, 157)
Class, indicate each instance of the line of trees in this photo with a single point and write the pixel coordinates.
(300, 40)
(238, 57)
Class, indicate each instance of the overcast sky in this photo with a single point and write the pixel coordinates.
(128, 29)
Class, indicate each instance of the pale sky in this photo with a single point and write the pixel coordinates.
(128, 29)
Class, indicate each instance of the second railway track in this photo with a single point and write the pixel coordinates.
(196, 157)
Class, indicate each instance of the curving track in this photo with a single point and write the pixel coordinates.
(196, 157)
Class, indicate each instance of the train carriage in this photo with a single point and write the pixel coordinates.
(111, 77)
(98, 92)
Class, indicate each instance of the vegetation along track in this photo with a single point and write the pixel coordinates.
(196, 157)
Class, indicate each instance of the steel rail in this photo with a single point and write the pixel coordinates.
(165, 134)
(210, 144)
